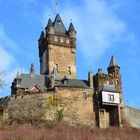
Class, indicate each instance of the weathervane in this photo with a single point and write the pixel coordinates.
(57, 4)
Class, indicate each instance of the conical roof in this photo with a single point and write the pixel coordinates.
(71, 27)
(49, 23)
(113, 62)
(59, 26)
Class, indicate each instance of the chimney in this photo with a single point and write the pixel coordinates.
(90, 79)
(32, 70)
(100, 71)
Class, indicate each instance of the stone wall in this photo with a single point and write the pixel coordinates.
(78, 104)
(132, 116)
(74, 104)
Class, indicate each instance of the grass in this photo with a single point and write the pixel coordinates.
(65, 132)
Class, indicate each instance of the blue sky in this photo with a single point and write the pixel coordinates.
(104, 27)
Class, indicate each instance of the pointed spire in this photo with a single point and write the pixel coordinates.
(59, 26)
(71, 27)
(17, 76)
(17, 80)
(113, 62)
(57, 18)
(113, 67)
(49, 23)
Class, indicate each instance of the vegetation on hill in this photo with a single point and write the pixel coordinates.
(65, 132)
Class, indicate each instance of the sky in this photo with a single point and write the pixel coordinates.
(104, 28)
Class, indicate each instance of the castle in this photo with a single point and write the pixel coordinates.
(96, 101)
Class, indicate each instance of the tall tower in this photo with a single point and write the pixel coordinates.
(108, 96)
(57, 49)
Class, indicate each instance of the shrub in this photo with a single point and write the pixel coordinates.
(59, 114)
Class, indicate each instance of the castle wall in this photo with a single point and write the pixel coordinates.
(78, 103)
(75, 104)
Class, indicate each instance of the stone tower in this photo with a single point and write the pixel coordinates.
(108, 96)
(57, 50)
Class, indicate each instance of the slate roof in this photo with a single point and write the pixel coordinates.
(72, 83)
(43, 81)
(59, 26)
(109, 88)
(28, 81)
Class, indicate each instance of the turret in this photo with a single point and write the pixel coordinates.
(71, 31)
(49, 28)
(113, 67)
(17, 80)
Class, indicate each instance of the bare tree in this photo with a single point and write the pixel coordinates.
(2, 81)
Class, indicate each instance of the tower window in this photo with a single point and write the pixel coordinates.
(117, 81)
(61, 40)
(111, 97)
(55, 39)
(69, 70)
(67, 41)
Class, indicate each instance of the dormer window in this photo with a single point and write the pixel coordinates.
(59, 22)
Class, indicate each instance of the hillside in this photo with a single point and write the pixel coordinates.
(64, 132)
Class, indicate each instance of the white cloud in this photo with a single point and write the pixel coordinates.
(98, 27)
(6, 42)
(6, 59)
(7, 50)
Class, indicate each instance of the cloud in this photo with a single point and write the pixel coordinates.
(6, 42)
(98, 27)
(6, 59)
(7, 50)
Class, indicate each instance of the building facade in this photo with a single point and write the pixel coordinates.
(96, 101)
